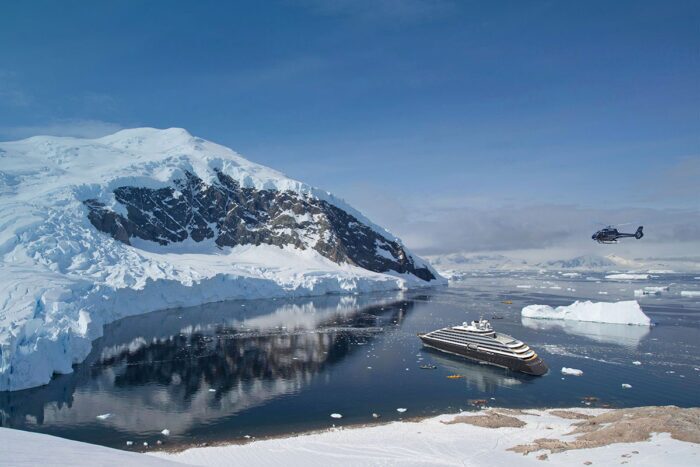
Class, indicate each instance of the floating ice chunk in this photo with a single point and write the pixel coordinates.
(636, 362)
(624, 312)
(602, 293)
(104, 416)
(375, 415)
(690, 293)
(336, 415)
(145, 443)
(524, 286)
(129, 443)
(401, 410)
(626, 386)
(165, 432)
(571, 371)
(627, 277)
(212, 390)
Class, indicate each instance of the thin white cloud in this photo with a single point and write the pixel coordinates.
(434, 225)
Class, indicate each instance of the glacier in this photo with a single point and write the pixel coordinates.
(62, 278)
(623, 312)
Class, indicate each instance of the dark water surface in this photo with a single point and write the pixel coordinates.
(223, 371)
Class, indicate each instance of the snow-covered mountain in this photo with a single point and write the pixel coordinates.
(455, 263)
(92, 230)
(477, 262)
(586, 262)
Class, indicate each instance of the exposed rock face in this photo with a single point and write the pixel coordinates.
(232, 215)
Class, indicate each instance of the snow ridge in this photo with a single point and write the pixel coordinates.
(62, 279)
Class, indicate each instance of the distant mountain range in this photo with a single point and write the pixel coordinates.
(461, 262)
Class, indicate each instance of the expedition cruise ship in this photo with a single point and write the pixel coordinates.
(478, 341)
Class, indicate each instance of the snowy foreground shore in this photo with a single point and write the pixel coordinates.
(640, 436)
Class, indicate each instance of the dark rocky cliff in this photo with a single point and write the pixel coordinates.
(232, 215)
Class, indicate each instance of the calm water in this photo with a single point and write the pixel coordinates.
(227, 370)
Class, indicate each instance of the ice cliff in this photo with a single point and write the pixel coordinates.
(92, 230)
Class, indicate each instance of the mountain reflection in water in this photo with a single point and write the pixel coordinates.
(177, 368)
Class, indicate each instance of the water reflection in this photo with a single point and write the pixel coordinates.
(484, 378)
(179, 368)
(618, 334)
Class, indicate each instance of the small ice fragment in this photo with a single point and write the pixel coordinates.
(104, 416)
(145, 443)
(129, 443)
(247, 436)
(401, 410)
(369, 367)
(626, 386)
(165, 432)
(636, 362)
(212, 390)
(336, 415)
(571, 371)
(159, 442)
(375, 415)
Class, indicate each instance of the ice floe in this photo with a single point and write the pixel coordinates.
(627, 277)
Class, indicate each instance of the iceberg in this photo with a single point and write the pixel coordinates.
(624, 312)
(627, 277)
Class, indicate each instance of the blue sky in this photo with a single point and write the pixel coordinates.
(471, 118)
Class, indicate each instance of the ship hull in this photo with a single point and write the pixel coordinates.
(535, 367)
